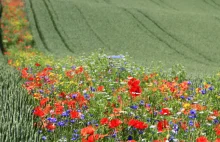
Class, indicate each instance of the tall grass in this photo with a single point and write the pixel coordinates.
(16, 119)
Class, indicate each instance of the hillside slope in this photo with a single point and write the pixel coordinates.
(173, 32)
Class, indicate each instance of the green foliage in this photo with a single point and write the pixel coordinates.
(180, 32)
(16, 121)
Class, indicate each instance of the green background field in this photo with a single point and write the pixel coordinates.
(171, 31)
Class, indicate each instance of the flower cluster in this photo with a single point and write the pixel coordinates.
(106, 98)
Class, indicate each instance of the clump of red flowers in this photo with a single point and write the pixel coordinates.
(137, 124)
(134, 87)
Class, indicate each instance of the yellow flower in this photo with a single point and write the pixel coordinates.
(186, 105)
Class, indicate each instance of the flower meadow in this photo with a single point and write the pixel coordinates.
(107, 97)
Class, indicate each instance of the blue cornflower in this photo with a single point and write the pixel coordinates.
(73, 121)
(189, 82)
(171, 138)
(136, 117)
(182, 97)
(75, 137)
(140, 132)
(61, 123)
(40, 131)
(114, 135)
(175, 128)
(191, 123)
(92, 89)
(192, 114)
(142, 102)
(134, 107)
(89, 123)
(52, 120)
(65, 114)
(73, 67)
(82, 116)
(189, 98)
(192, 111)
(41, 91)
(215, 121)
(211, 88)
(44, 138)
(74, 96)
(148, 105)
(85, 107)
(130, 138)
(116, 56)
(87, 96)
(203, 91)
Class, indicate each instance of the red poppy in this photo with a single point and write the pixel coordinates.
(184, 126)
(39, 112)
(79, 70)
(44, 101)
(24, 73)
(59, 109)
(51, 126)
(202, 139)
(100, 88)
(137, 124)
(89, 130)
(162, 125)
(62, 95)
(165, 111)
(37, 64)
(133, 82)
(135, 91)
(104, 121)
(74, 114)
(217, 140)
(217, 132)
(10, 61)
(114, 123)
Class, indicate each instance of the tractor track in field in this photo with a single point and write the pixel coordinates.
(161, 39)
(205, 1)
(57, 17)
(156, 3)
(152, 33)
(90, 27)
(213, 1)
(167, 5)
(108, 1)
(55, 27)
(175, 38)
(38, 27)
(217, 18)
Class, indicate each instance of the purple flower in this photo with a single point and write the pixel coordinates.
(191, 123)
(61, 123)
(142, 102)
(192, 111)
(44, 138)
(134, 107)
(65, 114)
(189, 82)
(52, 120)
(74, 96)
(203, 91)
(211, 88)
(130, 138)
